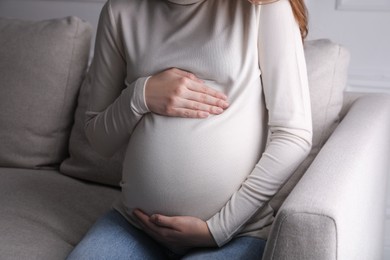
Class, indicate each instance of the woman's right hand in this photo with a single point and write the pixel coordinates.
(179, 93)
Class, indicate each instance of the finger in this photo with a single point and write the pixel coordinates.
(148, 226)
(165, 221)
(146, 223)
(190, 113)
(206, 99)
(186, 74)
(203, 89)
(156, 222)
(186, 108)
(142, 217)
(198, 106)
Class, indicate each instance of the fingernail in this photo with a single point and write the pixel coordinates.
(219, 110)
(225, 104)
(204, 114)
(155, 219)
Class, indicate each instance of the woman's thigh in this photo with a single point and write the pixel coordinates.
(248, 248)
(112, 237)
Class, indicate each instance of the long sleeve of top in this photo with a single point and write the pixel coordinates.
(115, 105)
(285, 85)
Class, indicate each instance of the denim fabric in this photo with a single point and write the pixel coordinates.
(113, 238)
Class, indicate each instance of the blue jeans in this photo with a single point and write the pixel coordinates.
(114, 238)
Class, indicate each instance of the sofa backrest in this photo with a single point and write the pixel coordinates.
(42, 65)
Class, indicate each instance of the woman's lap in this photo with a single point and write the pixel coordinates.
(112, 237)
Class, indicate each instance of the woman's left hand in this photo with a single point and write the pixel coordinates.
(179, 233)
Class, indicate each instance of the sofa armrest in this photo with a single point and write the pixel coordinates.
(337, 209)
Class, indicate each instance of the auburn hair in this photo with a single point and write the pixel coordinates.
(299, 10)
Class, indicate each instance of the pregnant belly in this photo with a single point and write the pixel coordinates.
(189, 167)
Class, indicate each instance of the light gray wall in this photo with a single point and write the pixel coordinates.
(88, 10)
(364, 27)
(46, 9)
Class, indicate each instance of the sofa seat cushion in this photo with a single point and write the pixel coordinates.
(44, 214)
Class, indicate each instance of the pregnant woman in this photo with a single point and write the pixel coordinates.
(211, 99)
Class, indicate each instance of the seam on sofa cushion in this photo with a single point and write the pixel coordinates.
(49, 228)
(331, 96)
(71, 63)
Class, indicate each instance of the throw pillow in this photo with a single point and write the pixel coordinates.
(84, 163)
(42, 64)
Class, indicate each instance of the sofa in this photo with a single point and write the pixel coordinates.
(53, 186)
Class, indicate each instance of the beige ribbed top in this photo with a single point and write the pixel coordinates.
(220, 169)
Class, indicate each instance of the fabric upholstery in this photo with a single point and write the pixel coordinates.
(44, 214)
(345, 184)
(41, 69)
(84, 162)
(327, 65)
(297, 231)
(349, 99)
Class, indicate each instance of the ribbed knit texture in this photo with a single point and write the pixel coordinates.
(220, 169)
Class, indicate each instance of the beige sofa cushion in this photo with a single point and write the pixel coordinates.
(83, 162)
(42, 65)
(327, 68)
(44, 214)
